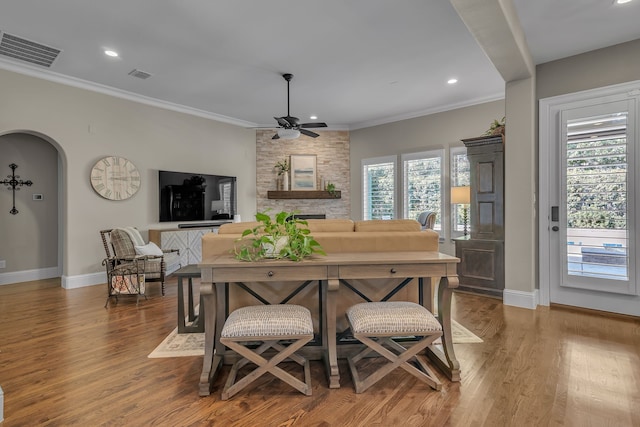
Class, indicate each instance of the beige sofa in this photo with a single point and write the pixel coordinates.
(340, 235)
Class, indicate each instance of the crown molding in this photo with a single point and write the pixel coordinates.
(54, 77)
(427, 112)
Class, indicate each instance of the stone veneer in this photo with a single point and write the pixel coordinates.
(332, 151)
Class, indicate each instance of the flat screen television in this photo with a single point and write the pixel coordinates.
(188, 196)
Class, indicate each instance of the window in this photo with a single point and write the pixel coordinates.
(422, 184)
(427, 178)
(460, 176)
(378, 188)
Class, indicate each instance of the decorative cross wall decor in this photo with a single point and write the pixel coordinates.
(13, 183)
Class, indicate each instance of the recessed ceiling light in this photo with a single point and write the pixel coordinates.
(112, 53)
(622, 1)
(452, 81)
(313, 117)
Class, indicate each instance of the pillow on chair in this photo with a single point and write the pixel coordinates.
(135, 235)
(148, 249)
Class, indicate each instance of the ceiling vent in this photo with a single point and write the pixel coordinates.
(140, 74)
(28, 51)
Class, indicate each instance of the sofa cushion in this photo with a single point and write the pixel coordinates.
(237, 227)
(424, 241)
(386, 225)
(329, 225)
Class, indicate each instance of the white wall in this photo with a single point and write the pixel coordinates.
(85, 126)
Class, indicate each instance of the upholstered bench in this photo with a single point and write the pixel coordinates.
(268, 324)
(376, 324)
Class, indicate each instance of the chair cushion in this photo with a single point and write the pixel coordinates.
(391, 317)
(268, 320)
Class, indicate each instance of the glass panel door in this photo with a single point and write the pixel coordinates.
(596, 199)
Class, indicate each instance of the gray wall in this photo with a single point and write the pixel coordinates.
(598, 68)
(29, 238)
(85, 126)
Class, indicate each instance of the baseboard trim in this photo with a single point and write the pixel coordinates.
(520, 299)
(29, 275)
(82, 280)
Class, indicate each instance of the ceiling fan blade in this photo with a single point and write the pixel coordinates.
(309, 133)
(282, 121)
(313, 125)
(276, 136)
(293, 121)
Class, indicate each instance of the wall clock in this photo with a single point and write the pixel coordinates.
(115, 178)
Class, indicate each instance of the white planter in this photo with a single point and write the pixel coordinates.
(271, 250)
(285, 181)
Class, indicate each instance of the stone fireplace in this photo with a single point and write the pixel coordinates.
(331, 149)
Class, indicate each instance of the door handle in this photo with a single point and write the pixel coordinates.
(555, 228)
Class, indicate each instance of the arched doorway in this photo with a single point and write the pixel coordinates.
(33, 236)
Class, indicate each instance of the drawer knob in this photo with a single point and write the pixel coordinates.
(270, 274)
(393, 271)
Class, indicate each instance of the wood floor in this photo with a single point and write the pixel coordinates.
(67, 361)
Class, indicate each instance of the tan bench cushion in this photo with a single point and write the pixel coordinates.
(391, 317)
(268, 320)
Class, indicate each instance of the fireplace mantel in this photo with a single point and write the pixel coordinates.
(303, 195)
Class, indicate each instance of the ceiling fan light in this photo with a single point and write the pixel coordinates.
(288, 133)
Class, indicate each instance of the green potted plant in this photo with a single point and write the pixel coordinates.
(331, 189)
(284, 236)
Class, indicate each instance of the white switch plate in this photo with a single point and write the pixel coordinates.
(3, 264)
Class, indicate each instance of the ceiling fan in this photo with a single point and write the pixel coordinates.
(289, 127)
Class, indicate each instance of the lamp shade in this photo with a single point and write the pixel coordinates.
(288, 133)
(461, 195)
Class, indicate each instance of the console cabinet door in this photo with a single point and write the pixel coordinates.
(188, 242)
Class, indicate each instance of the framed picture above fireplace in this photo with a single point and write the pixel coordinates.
(303, 172)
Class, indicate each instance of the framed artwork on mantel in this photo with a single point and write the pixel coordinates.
(303, 172)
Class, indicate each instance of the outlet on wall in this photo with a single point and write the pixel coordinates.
(3, 264)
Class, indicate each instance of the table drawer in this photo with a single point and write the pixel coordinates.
(266, 273)
(385, 271)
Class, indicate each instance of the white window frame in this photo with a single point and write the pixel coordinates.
(365, 191)
(430, 154)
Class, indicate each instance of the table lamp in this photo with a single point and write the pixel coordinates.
(462, 196)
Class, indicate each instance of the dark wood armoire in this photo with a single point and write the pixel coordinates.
(481, 268)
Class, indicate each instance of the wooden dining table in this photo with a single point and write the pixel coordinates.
(331, 272)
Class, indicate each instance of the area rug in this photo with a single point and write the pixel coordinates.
(183, 345)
